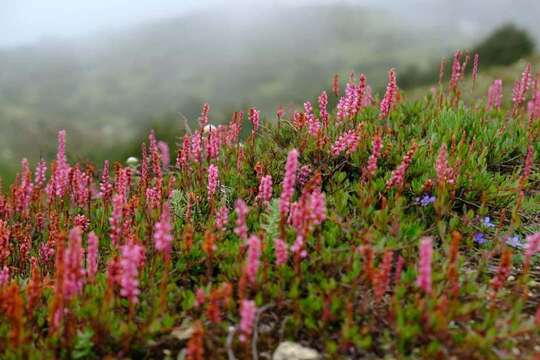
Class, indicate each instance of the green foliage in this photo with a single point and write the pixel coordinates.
(504, 46)
(270, 220)
(83, 345)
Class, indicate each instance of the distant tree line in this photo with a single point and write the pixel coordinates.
(506, 45)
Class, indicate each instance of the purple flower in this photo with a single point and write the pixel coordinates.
(479, 238)
(515, 241)
(487, 222)
(427, 199)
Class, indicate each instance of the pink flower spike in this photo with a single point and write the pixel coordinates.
(317, 207)
(298, 246)
(424, 267)
(222, 218)
(165, 154)
(456, 70)
(248, 312)
(253, 256)
(155, 155)
(212, 144)
(131, 256)
(521, 87)
(347, 141)
(203, 119)
(349, 104)
(115, 220)
(289, 181)
(26, 187)
(390, 96)
(196, 147)
(4, 275)
(241, 213)
(376, 148)
(533, 107)
(265, 189)
(281, 252)
(361, 92)
(105, 186)
(39, 176)
(323, 108)
(60, 179)
(367, 99)
(442, 168)
(312, 122)
(213, 180)
(163, 232)
(184, 155)
(495, 95)
(73, 264)
(81, 221)
(254, 117)
(153, 198)
(398, 175)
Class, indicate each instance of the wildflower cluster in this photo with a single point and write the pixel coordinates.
(326, 229)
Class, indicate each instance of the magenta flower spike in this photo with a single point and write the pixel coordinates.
(131, 256)
(241, 213)
(390, 96)
(289, 181)
(495, 95)
(424, 266)
(213, 180)
(265, 189)
(253, 258)
(248, 311)
(163, 232)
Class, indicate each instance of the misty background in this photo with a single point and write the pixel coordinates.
(109, 70)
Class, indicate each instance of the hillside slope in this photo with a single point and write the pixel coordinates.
(372, 229)
(104, 88)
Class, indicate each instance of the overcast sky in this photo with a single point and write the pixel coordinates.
(28, 21)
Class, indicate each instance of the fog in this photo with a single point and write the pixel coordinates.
(29, 21)
(24, 22)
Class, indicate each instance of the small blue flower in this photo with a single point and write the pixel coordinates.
(515, 241)
(487, 222)
(426, 200)
(479, 238)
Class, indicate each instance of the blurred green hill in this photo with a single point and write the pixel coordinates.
(108, 89)
(508, 74)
